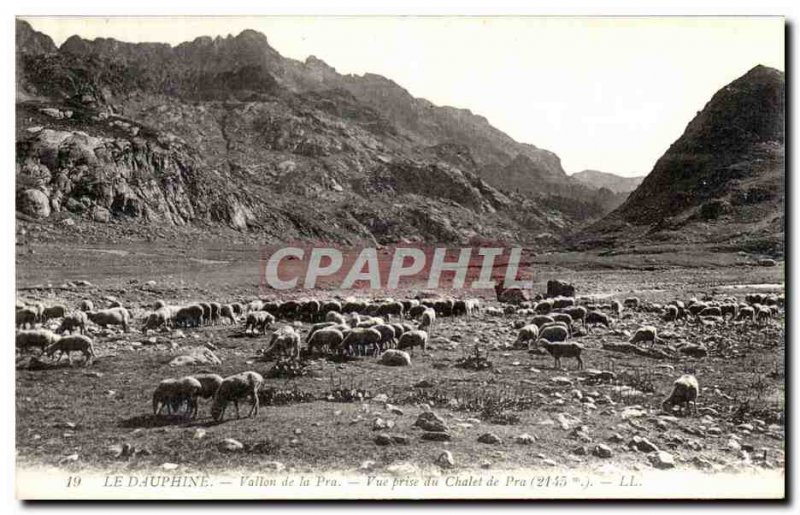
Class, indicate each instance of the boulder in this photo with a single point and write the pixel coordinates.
(33, 203)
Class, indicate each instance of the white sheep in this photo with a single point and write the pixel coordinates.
(285, 340)
(328, 337)
(86, 305)
(333, 316)
(112, 316)
(54, 311)
(563, 350)
(596, 317)
(74, 320)
(233, 389)
(189, 316)
(361, 337)
(427, 320)
(526, 335)
(70, 344)
(555, 332)
(411, 339)
(172, 393)
(26, 317)
(646, 333)
(41, 338)
(684, 391)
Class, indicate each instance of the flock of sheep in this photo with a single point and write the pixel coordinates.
(385, 327)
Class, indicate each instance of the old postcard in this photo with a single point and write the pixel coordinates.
(400, 258)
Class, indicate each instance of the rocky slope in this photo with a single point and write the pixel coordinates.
(226, 133)
(722, 181)
(615, 183)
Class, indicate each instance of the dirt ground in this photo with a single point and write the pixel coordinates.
(73, 417)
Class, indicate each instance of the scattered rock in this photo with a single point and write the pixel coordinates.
(445, 460)
(524, 439)
(602, 451)
(489, 438)
(436, 436)
(430, 421)
(662, 460)
(230, 445)
(642, 444)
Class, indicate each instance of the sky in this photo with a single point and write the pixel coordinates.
(607, 94)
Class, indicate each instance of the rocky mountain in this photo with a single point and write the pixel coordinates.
(721, 182)
(227, 133)
(613, 182)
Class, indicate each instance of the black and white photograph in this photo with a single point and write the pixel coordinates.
(400, 257)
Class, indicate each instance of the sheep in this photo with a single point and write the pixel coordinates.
(413, 339)
(684, 391)
(288, 309)
(227, 311)
(670, 314)
(258, 321)
(55, 311)
(329, 337)
(729, 309)
(76, 319)
(158, 305)
(527, 334)
(618, 308)
(255, 305)
(38, 307)
(361, 337)
(563, 302)
(554, 333)
(390, 309)
(86, 305)
(416, 311)
(710, 311)
(696, 307)
(399, 329)
(216, 309)
(370, 322)
(285, 340)
(763, 313)
(189, 316)
(20, 305)
(596, 317)
(233, 389)
(544, 307)
(427, 320)
(746, 313)
(112, 316)
(631, 302)
(577, 313)
(333, 316)
(493, 311)
(206, 307)
(160, 317)
(388, 335)
(68, 344)
(41, 338)
(563, 318)
(237, 308)
(562, 350)
(330, 306)
(172, 393)
(644, 334)
(309, 310)
(541, 320)
(208, 384)
(26, 317)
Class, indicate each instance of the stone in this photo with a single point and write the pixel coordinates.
(602, 451)
(445, 460)
(33, 203)
(430, 421)
(395, 358)
(436, 436)
(383, 439)
(230, 445)
(524, 439)
(642, 444)
(662, 460)
(489, 438)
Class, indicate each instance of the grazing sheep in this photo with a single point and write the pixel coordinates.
(416, 311)
(216, 312)
(399, 329)
(493, 311)
(86, 305)
(172, 393)
(563, 318)
(413, 339)
(631, 302)
(72, 343)
(729, 309)
(361, 337)
(526, 335)
(20, 305)
(206, 312)
(38, 307)
(427, 320)
(670, 314)
(577, 313)
(562, 350)
(388, 335)
(746, 313)
(288, 309)
(554, 333)
(684, 391)
(190, 316)
(540, 320)
(258, 321)
(335, 317)
(710, 311)
(209, 383)
(76, 319)
(330, 306)
(327, 337)
(159, 318)
(41, 338)
(285, 340)
(55, 311)
(236, 388)
(227, 311)
(390, 309)
(696, 307)
(237, 308)
(644, 334)
(596, 317)
(111, 316)
(26, 317)
(544, 307)
(158, 305)
(763, 313)
(563, 302)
